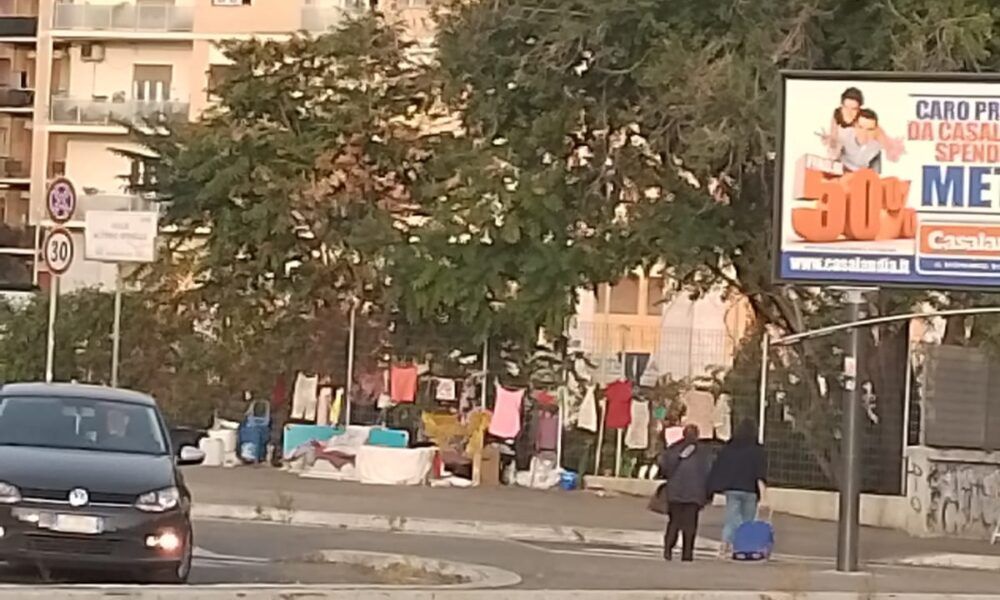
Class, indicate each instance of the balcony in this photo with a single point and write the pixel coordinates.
(18, 27)
(104, 113)
(16, 98)
(320, 18)
(124, 17)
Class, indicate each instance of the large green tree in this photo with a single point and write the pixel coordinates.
(663, 115)
(285, 196)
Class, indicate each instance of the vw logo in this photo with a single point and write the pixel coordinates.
(78, 497)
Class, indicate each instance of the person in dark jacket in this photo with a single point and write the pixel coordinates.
(685, 465)
(739, 472)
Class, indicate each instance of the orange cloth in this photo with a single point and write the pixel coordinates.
(404, 383)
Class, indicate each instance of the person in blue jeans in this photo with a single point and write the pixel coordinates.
(739, 473)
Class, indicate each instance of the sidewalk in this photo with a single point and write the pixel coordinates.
(264, 488)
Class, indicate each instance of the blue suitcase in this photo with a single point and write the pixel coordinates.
(753, 540)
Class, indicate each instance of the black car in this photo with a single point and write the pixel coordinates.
(89, 479)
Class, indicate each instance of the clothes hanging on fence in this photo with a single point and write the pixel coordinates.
(324, 401)
(587, 419)
(506, 421)
(544, 398)
(619, 408)
(723, 418)
(279, 393)
(304, 397)
(700, 406)
(370, 386)
(404, 383)
(444, 390)
(637, 434)
(547, 433)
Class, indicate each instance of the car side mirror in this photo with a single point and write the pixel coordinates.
(190, 456)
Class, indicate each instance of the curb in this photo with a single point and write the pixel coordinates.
(400, 524)
(344, 593)
(972, 562)
(478, 577)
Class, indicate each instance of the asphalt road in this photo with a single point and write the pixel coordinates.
(233, 553)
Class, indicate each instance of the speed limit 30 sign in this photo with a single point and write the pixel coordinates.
(59, 251)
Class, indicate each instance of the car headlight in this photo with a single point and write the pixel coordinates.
(159, 501)
(9, 494)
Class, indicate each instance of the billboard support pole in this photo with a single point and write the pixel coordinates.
(850, 479)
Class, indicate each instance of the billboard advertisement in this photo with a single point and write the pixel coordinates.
(888, 179)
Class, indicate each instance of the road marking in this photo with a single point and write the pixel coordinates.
(207, 558)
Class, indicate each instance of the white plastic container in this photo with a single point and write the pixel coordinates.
(214, 450)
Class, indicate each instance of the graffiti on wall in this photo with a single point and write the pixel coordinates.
(964, 498)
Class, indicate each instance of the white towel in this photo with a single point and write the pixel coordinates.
(588, 411)
(445, 389)
(304, 397)
(637, 434)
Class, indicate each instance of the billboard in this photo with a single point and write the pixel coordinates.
(888, 179)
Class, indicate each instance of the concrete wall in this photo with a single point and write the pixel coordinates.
(91, 163)
(262, 16)
(954, 493)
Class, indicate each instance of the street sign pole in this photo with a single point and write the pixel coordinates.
(50, 347)
(116, 334)
(850, 479)
(60, 203)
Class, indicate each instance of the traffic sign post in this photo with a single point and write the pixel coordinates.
(58, 252)
(120, 237)
(61, 200)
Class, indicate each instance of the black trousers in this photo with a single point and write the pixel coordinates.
(682, 521)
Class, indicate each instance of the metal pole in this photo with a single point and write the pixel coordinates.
(116, 328)
(850, 480)
(765, 358)
(350, 365)
(618, 454)
(50, 348)
(486, 372)
(907, 402)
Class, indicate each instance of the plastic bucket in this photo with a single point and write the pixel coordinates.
(569, 481)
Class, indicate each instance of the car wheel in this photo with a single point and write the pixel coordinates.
(178, 573)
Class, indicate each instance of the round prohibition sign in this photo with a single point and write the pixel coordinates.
(59, 251)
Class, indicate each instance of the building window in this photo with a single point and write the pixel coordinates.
(654, 297)
(624, 297)
(152, 82)
(216, 75)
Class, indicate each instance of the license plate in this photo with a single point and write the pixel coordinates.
(77, 524)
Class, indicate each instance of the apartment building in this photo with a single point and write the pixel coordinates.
(641, 322)
(71, 69)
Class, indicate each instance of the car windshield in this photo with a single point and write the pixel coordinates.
(80, 424)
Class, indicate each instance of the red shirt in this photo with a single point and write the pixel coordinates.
(619, 411)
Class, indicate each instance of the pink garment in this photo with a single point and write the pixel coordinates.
(672, 435)
(506, 421)
(404, 383)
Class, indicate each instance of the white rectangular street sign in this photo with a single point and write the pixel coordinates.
(120, 236)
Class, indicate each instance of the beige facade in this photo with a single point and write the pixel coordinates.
(642, 314)
(70, 70)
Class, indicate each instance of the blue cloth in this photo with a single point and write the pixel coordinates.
(741, 507)
(388, 438)
(297, 435)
